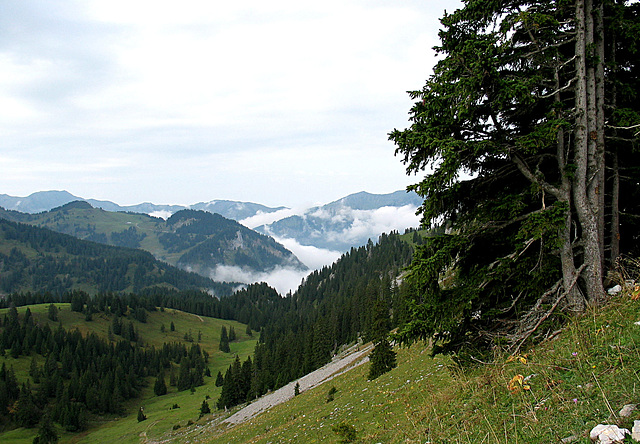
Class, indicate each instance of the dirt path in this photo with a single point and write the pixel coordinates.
(313, 379)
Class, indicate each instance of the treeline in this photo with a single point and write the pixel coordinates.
(74, 375)
(42, 261)
(334, 306)
(254, 305)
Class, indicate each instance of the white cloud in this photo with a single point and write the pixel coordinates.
(266, 218)
(372, 223)
(283, 279)
(162, 214)
(294, 98)
(312, 257)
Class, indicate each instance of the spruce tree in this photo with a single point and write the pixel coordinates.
(510, 134)
(160, 387)
(47, 433)
(52, 313)
(204, 408)
(382, 358)
(219, 379)
(224, 341)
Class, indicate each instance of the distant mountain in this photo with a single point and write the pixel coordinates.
(36, 202)
(348, 222)
(48, 200)
(40, 260)
(234, 210)
(337, 226)
(191, 240)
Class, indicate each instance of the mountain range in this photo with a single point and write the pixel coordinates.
(47, 200)
(336, 226)
(192, 240)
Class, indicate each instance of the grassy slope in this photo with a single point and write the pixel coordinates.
(160, 418)
(579, 379)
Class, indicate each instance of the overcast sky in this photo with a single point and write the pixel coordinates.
(277, 102)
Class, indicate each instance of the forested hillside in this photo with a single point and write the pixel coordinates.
(334, 306)
(191, 240)
(297, 334)
(39, 260)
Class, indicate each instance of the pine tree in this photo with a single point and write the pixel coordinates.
(511, 129)
(219, 379)
(160, 388)
(382, 358)
(52, 313)
(47, 433)
(224, 341)
(232, 334)
(204, 408)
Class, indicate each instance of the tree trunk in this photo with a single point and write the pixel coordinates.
(587, 166)
(615, 209)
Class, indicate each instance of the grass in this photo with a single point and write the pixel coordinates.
(160, 418)
(569, 384)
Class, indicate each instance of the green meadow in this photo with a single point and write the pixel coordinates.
(559, 389)
(161, 417)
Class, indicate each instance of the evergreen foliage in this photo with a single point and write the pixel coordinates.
(47, 433)
(85, 374)
(522, 168)
(45, 261)
(224, 341)
(160, 387)
(204, 408)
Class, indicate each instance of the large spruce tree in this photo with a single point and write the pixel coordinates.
(519, 131)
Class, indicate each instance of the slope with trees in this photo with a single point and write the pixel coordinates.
(38, 260)
(192, 240)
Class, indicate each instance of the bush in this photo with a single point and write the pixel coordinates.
(330, 395)
(346, 432)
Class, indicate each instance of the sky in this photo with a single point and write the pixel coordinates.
(283, 103)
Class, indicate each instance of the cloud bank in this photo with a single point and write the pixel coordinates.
(283, 279)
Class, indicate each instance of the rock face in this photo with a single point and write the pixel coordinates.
(608, 434)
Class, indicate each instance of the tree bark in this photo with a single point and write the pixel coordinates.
(586, 165)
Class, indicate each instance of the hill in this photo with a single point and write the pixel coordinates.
(560, 389)
(40, 260)
(191, 240)
(162, 330)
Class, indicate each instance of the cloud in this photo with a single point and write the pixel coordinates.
(214, 96)
(261, 218)
(371, 223)
(162, 214)
(312, 257)
(283, 279)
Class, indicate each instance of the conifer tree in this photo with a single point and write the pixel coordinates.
(52, 313)
(160, 388)
(204, 408)
(382, 358)
(224, 340)
(517, 130)
(47, 433)
(219, 379)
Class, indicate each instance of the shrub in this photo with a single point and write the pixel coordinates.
(346, 432)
